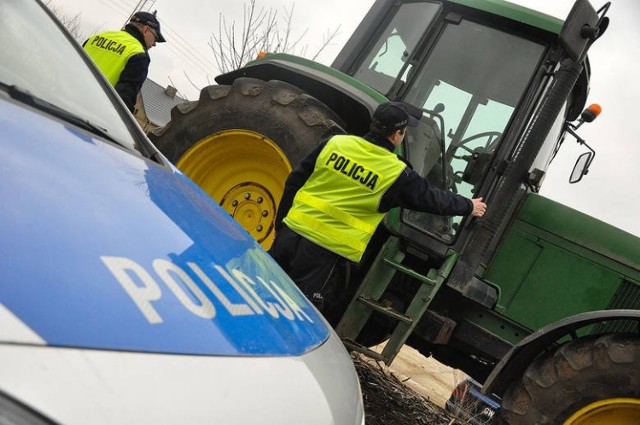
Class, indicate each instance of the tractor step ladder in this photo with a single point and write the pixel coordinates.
(367, 300)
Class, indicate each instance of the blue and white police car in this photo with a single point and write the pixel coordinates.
(127, 296)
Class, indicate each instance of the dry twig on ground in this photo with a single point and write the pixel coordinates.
(388, 401)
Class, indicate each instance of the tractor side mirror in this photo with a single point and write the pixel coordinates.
(581, 168)
(584, 161)
(582, 27)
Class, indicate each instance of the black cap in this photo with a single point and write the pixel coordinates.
(392, 116)
(146, 18)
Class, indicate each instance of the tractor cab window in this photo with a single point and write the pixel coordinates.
(387, 59)
(468, 87)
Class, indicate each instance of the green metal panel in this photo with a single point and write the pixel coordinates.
(555, 262)
(560, 284)
(515, 12)
(601, 239)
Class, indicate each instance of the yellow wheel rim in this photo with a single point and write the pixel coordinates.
(245, 173)
(618, 411)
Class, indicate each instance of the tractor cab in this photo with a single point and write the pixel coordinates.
(476, 76)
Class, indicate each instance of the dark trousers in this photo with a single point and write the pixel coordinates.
(309, 265)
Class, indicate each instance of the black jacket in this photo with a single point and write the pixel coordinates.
(410, 190)
(134, 72)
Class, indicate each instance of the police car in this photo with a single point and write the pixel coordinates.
(127, 296)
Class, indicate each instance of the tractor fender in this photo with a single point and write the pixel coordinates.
(515, 362)
(353, 101)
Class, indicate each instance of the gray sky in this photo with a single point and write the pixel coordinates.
(608, 192)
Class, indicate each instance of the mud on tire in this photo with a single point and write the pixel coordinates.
(239, 143)
(295, 121)
(577, 374)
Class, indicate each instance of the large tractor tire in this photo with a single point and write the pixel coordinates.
(240, 142)
(594, 380)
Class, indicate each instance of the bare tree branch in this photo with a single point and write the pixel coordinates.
(261, 31)
(326, 41)
(178, 93)
(71, 23)
(194, 85)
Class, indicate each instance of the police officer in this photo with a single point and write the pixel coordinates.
(123, 56)
(336, 197)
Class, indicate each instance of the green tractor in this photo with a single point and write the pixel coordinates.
(537, 301)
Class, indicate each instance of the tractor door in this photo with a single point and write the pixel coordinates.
(470, 74)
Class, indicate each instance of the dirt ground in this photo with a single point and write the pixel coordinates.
(413, 390)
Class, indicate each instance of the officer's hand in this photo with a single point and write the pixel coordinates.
(479, 207)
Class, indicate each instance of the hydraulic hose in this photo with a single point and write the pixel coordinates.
(503, 202)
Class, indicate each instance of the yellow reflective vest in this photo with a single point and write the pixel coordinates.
(337, 207)
(111, 50)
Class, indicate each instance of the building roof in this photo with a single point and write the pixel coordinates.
(158, 101)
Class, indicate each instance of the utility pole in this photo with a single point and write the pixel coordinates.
(138, 7)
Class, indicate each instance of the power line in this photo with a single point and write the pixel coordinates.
(191, 50)
(191, 62)
(180, 47)
(136, 8)
(188, 50)
(177, 44)
(112, 6)
(123, 3)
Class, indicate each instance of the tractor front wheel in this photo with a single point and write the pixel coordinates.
(239, 143)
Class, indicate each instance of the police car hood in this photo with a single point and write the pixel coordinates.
(104, 250)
